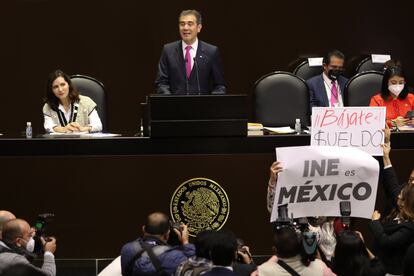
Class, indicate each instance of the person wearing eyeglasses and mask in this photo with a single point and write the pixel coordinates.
(395, 97)
(17, 246)
(327, 89)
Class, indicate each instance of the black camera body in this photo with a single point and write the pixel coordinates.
(307, 238)
(173, 239)
(40, 225)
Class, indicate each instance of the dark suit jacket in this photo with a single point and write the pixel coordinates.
(219, 271)
(243, 269)
(172, 79)
(317, 90)
(392, 239)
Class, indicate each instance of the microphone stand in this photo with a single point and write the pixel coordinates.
(198, 78)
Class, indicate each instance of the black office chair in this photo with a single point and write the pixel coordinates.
(367, 65)
(280, 98)
(304, 71)
(94, 89)
(361, 87)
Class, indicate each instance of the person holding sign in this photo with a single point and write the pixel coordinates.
(328, 88)
(395, 97)
(322, 226)
(394, 234)
(67, 111)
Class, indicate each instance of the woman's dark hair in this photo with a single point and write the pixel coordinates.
(50, 98)
(389, 73)
(406, 213)
(351, 255)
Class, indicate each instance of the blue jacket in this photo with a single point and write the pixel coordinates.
(170, 258)
(317, 90)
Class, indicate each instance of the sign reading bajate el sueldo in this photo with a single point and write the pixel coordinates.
(359, 127)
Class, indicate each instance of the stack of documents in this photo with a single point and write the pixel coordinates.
(254, 129)
(280, 130)
(79, 135)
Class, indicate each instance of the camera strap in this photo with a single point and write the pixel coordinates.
(323, 257)
(287, 268)
(137, 255)
(154, 260)
(141, 247)
(5, 250)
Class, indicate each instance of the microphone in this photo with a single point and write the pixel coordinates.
(186, 79)
(198, 79)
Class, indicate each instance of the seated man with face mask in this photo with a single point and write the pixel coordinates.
(17, 245)
(327, 89)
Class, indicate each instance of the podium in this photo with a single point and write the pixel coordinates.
(197, 115)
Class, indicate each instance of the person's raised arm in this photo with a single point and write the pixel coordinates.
(275, 168)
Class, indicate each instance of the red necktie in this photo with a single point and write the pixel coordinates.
(334, 94)
(188, 61)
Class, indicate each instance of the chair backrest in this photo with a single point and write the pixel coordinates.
(361, 87)
(304, 71)
(280, 98)
(94, 89)
(367, 65)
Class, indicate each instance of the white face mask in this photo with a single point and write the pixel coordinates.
(30, 245)
(396, 88)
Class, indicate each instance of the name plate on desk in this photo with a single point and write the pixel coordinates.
(197, 115)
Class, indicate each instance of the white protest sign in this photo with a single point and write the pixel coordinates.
(359, 127)
(380, 58)
(315, 180)
(317, 61)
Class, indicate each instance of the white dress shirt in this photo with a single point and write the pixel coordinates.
(193, 50)
(94, 120)
(328, 86)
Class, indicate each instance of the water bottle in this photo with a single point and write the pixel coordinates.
(29, 131)
(298, 127)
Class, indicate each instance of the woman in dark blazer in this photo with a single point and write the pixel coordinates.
(394, 234)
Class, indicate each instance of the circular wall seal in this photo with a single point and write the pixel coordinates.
(201, 204)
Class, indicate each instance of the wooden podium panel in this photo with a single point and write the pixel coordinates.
(197, 115)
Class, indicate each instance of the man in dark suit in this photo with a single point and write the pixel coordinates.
(223, 252)
(190, 66)
(328, 88)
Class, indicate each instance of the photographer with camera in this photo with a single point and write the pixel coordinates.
(290, 258)
(151, 255)
(17, 245)
(323, 227)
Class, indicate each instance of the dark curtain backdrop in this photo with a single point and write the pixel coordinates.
(119, 43)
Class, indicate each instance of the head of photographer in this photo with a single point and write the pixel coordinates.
(17, 246)
(292, 255)
(152, 253)
(295, 248)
